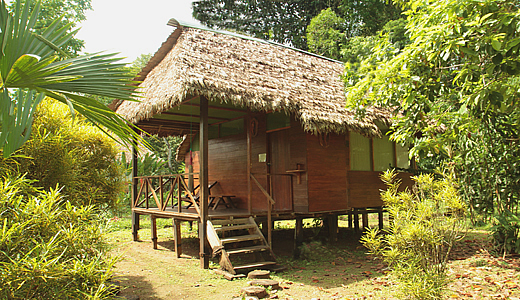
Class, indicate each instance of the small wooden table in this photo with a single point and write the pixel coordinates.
(216, 200)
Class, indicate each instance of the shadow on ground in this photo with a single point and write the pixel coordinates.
(135, 286)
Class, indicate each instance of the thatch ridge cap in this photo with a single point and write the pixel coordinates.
(179, 23)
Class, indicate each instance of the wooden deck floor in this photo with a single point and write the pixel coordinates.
(190, 214)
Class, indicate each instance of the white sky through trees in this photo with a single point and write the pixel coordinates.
(131, 27)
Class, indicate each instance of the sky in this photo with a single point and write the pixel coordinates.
(131, 27)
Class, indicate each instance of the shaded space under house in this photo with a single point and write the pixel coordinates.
(266, 126)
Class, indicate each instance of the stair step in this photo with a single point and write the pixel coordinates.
(230, 222)
(241, 238)
(248, 249)
(235, 227)
(254, 265)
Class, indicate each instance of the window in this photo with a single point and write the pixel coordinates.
(377, 154)
(212, 132)
(278, 120)
(232, 128)
(383, 154)
(359, 152)
(403, 161)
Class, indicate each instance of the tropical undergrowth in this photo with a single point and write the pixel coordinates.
(66, 149)
(53, 218)
(50, 249)
(425, 223)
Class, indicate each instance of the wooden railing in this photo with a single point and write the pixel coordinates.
(165, 191)
(270, 203)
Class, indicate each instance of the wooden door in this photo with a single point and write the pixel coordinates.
(278, 163)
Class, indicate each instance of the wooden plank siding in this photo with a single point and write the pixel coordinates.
(298, 144)
(259, 169)
(365, 187)
(227, 165)
(327, 173)
(327, 185)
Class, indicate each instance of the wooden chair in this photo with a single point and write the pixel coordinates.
(196, 192)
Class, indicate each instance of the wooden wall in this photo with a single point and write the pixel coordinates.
(298, 144)
(227, 164)
(365, 187)
(327, 185)
(327, 173)
(259, 169)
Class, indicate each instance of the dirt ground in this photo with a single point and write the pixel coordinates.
(338, 270)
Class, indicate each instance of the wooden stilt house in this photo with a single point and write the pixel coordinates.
(266, 127)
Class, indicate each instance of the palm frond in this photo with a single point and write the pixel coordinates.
(16, 117)
(100, 75)
(27, 63)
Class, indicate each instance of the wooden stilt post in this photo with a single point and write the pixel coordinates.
(203, 180)
(263, 223)
(135, 216)
(356, 219)
(333, 227)
(350, 221)
(248, 170)
(269, 223)
(135, 226)
(191, 180)
(154, 231)
(364, 218)
(298, 237)
(177, 237)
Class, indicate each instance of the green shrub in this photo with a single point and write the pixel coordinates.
(506, 233)
(424, 225)
(50, 249)
(71, 152)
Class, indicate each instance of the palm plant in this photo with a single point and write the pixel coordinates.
(32, 67)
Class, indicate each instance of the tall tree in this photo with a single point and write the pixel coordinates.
(457, 88)
(30, 70)
(286, 21)
(281, 21)
(367, 17)
(328, 35)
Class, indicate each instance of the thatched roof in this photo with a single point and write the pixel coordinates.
(250, 73)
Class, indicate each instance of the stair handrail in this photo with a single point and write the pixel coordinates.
(262, 189)
(270, 204)
(213, 239)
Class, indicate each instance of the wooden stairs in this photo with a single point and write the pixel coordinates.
(240, 244)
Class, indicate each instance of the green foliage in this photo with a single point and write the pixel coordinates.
(395, 32)
(71, 153)
(486, 158)
(357, 49)
(365, 18)
(50, 249)
(71, 12)
(165, 149)
(281, 21)
(139, 63)
(286, 22)
(30, 69)
(456, 86)
(326, 34)
(506, 233)
(362, 51)
(424, 225)
(462, 53)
